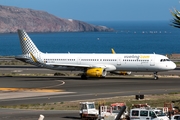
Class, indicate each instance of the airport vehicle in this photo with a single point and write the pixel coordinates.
(92, 65)
(116, 107)
(113, 111)
(173, 109)
(147, 114)
(88, 110)
(175, 117)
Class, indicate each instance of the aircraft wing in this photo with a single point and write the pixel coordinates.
(108, 67)
(68, 65)
(72, 65)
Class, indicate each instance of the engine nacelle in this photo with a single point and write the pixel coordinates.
(96, 72)
(125, 72)
(121, 72)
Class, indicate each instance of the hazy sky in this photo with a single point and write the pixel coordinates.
(102, 10)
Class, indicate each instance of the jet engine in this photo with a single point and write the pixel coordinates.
(121, 72)
(96, 72)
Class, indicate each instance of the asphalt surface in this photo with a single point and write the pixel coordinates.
(14, 114)
(72, 89)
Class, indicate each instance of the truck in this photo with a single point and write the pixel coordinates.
(88, 110)
(147, 114)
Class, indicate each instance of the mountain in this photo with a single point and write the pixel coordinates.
(13, 18)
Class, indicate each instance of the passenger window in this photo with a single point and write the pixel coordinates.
(135, 113)
(152, 114)
(178, 118)
(143, 113)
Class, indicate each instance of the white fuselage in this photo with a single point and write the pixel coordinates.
(111, 62)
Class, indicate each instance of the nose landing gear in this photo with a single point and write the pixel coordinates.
(155, 76)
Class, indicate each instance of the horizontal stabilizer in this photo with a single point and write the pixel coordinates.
(22, 58)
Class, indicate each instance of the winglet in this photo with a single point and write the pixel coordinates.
(112, 50)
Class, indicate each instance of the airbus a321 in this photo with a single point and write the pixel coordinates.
(92, 65)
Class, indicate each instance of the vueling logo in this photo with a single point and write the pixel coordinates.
(144, 56)
(25, 39)
(138, 56)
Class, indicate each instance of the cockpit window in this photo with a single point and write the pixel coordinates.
(163, 60)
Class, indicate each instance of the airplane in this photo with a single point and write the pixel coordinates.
(92, 65)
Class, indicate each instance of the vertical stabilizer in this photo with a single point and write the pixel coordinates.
(27, 44)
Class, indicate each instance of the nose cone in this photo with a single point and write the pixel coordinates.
(172, 66)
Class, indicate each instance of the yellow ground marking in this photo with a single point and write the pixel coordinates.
(30, 90)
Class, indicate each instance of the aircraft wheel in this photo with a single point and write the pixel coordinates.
(83, 76)
(156, 77)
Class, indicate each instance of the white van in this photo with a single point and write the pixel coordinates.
(175, 117)
(147, 114)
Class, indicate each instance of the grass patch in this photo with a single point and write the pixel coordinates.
(20, 74)
(12, 62)
(152, 100)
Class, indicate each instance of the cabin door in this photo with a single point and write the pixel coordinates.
(118, 61)
(78, 60)
(152, 60)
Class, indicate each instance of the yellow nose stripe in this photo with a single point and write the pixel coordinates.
(25, 39)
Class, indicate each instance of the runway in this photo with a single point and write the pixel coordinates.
(15, 90)
(72, 88)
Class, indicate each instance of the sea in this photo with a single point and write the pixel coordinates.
(128, 37)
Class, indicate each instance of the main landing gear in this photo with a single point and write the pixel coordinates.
(83, 76)
(155, 76)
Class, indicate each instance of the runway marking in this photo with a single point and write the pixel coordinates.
(55, 85)
(30, 89)
(40, 89)
(72, 94)
(29, 95)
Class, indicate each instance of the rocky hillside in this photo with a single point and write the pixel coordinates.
(13, 18)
